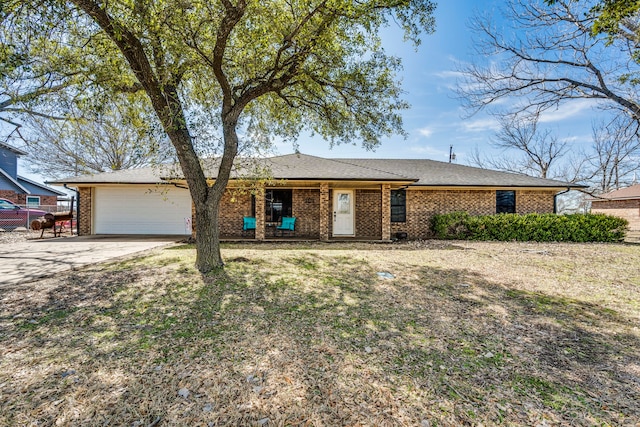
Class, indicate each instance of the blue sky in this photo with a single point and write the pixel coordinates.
(436, 119)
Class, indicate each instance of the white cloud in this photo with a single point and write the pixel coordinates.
(566, 111)
(426, 132)
(449, 74)
(481, 125)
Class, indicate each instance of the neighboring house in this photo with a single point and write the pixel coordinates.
(370, 199)
(18, 189)
(623, 203)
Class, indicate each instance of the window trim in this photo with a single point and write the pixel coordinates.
(403, 205)
(32, 205)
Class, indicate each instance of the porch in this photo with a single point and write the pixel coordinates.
(322, 211)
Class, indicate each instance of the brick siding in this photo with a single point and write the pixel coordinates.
(314, 211)
(368, 214)
(233, 207)
(423, 204)
(528, 201)
(325, 211)
(627, 209)
(85, 219)
(306, 209)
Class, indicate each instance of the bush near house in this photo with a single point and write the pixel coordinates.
(530, 227)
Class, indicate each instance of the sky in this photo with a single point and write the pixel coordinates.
(436, 119)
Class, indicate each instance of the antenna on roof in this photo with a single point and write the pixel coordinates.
(452, 155)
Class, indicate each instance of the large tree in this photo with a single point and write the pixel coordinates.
(121, 134)
(614, 160)
(616, 18)
(525, 149)
(29, 71)
(61, 102)
(544, 56)
(287, 65)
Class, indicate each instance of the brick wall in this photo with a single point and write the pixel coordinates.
(9, 195)
(627, 209)
(528, 201)
(233, 207)
(325, 211)
(368, 214)
(85, 210)
(314, 210)
(422, 204)
(386, 212)
(306, 209)
(21, 199)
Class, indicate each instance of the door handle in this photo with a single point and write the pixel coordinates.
(334, 216)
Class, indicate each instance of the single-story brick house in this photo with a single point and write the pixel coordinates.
(370, 199)
(623, 203)
(18, 189)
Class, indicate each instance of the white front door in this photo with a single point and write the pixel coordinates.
(343, 213)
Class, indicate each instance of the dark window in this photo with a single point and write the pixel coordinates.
(505, 201)
(278, 204)
(398, 205)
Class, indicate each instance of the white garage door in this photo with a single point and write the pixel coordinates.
(142, 210)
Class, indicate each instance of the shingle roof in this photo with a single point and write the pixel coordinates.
(148, 175)
(435, 173)
(39, 189)
(420, 172)
(632, 192)
(302, 166)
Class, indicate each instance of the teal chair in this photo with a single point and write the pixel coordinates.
(248, 225)
(288, 225)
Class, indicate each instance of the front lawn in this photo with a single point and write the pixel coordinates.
(464, 333)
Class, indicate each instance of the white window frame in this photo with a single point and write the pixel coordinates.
(30, 200)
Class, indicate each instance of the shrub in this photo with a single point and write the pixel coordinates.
(530, 227)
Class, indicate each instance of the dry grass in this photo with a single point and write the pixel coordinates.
(292, 335)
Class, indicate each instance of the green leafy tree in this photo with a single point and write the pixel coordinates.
(615, 17)
(30, 72)
(58, 100)
(278, 66)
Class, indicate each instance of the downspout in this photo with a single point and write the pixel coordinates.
(555, 199)
(77, 208)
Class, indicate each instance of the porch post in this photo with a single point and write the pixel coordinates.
(386, 212)
(260, 214)
(324, 211)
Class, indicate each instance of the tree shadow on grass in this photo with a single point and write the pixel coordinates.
(318, 339)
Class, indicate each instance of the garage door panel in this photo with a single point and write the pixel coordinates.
(140, 210)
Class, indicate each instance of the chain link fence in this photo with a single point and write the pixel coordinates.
(15, 217)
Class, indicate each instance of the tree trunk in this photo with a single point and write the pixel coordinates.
(208, 256)
(164, 97)
(208, 213)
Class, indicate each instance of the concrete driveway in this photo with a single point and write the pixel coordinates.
(28, 260)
